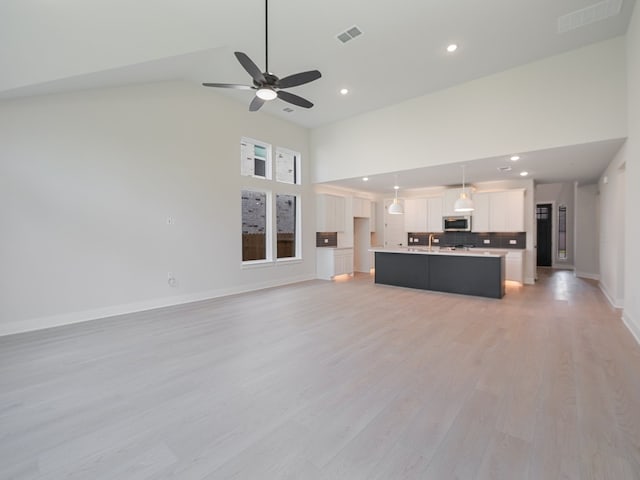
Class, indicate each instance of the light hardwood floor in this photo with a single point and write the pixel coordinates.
(331, 380)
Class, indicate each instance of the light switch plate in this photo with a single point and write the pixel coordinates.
(436, 240)
(326, 240)
(512, 242)
(486, 241)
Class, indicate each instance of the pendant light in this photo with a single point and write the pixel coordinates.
(464, 203)
(396, 208)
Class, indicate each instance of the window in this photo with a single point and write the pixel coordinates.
(270, 215)
(255, 226)
(562, 232)
(255, 159)
(287, 166)
(286, 224)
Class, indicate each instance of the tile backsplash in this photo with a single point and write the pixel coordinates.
(487, 240)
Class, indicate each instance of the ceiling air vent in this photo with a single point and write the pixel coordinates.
(588, 15)
(504, 169)
(287, 109)
(349, 34)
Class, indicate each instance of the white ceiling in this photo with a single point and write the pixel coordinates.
(577, 163)
(49, 46)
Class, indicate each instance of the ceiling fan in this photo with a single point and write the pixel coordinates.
(267, 85)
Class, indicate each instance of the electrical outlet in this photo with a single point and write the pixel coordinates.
(326, 240)
(436, 240)
(170, 221)
(512, 242)
(486, 241)
(171, 280)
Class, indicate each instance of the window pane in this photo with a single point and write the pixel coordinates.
(255, 159)
(287, 167)
(286, 225)
(254, 225)
(562, 232)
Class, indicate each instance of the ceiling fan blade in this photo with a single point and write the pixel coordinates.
(256, 103)
(294, 99)
(228, 85)
(251, 68)
(299, 79)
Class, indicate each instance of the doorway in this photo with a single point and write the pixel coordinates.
(544, 226)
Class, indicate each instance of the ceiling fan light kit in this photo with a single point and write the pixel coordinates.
(267, 85)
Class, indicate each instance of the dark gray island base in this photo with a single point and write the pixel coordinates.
(479, 275)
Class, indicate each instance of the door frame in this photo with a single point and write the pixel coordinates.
(554, 231)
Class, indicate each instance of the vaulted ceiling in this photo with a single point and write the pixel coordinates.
(59, 45)
(49, 46)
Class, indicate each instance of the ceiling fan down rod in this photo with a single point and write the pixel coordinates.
(266, 36)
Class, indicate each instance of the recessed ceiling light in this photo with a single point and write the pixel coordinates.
(452, 48)
(344, 91)
(524, 174)
(365, 179)
(515, 158)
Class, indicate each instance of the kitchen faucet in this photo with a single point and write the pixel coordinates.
(430, 239)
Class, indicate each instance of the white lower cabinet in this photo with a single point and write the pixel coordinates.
(514, 266)
(333, 261)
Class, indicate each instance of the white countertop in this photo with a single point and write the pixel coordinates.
(472, 252)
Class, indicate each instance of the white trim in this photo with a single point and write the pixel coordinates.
(562, 266)
(529, 280)
(633, 326)
(41, 323)
(615, 303)
(592, 276)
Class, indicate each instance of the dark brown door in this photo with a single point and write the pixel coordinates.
(543, 219)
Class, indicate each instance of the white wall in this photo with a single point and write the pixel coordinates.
(632, 156)
(559, 194)
(569, 99)
(587, 224)
(612, 229)
(87, 181)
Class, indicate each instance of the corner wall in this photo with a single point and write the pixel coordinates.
(87, 181)
(631, 313)
(587, 225)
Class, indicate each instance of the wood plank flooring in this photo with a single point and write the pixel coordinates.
(331, 380)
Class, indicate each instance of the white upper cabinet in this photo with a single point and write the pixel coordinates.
(372, 218)
(361, 207)
(514, 200)
(330, 213)
(480, 216)
(498, 211)
(415, 215)
(434, 214)
(448, 200)
(423, 214)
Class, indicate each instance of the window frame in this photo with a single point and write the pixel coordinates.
(268, 168)
(297, 165)
(297, 232)
(268, 241)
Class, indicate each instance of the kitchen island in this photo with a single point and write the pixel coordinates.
(469, 272)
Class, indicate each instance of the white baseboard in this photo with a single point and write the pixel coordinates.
(615, 302)
(41, 323)
(632, 325)
(529, 280)
(591, 276)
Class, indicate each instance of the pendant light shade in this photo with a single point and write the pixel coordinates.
(464, 203)
(396, 208)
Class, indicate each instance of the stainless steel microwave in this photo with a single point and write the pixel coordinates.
(457, 224)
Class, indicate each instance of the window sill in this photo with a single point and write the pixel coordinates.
(257, 264)
(288, 261)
